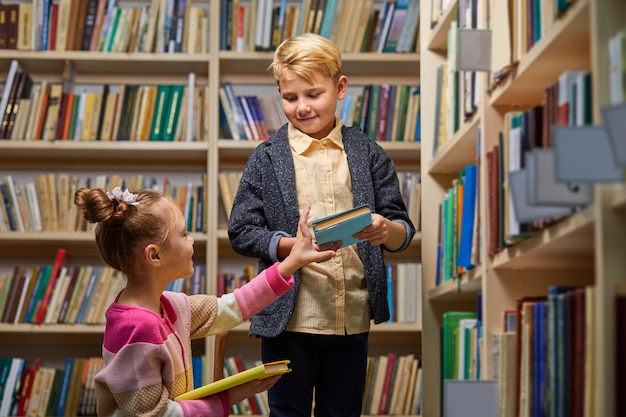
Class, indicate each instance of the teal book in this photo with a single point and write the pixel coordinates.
(342, 226)
(172, 112)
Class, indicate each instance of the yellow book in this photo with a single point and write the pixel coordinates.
(109, 116)
(90, 106)
(52, 114)
(262, 371)
(24, 27)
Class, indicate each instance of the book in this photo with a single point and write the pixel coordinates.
(265, 370)
(342, 226)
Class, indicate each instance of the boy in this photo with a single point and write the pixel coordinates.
(322, 323)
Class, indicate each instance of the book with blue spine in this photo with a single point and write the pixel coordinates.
(342, 226)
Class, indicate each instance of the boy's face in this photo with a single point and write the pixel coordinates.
(311, 107)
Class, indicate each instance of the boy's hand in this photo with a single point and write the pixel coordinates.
(247, 390)
(377, 232)
(383, 232)
(304, 250)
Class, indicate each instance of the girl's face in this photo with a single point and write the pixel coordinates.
(178, 257)
(310, 107)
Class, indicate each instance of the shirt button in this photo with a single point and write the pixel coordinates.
(340, 292)
(330, 200)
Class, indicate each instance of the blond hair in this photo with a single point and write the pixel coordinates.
(305, 55)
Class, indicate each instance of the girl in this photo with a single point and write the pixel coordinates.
(147, 340)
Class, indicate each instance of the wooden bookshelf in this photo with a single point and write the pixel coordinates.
(184, 160)
(582, 249)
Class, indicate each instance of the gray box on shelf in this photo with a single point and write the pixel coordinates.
(584, 154)
(524, 211)
(474, 50)
(543, 187)
(470, 398)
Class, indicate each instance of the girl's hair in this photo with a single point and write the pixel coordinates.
(305, 55)
(124, 228)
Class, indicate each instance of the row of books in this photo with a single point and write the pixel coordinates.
(105, 26)
(404, 292)
(227, 282)
(386, 112)
(457, 243)
(411, 190)
(524, 192)
(460, 341)
(404, 289)
(62, 293)
(393, 385)
(87, 112)
(46, 202)
(542, 362)
(32, 389)
(261, 25)
(58, 293)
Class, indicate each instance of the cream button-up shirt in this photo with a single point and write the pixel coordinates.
(333, 297)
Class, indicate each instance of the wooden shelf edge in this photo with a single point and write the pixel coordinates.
(99, 145)
(103, 56)
(459, 151)
(57, 237)
(464, 288)
(377, 328)
(59, 154)
(563, 244)
(24, 328)
(438, 39)
(346, 57)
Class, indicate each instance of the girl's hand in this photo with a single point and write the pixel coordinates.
(305, 250)
(247, 390)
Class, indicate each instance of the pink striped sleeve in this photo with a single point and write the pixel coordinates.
(261, 291)
(214, 406)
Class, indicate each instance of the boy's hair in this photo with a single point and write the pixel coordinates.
(305, 55)
(124, 229)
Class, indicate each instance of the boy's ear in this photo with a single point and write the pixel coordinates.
(342, 87)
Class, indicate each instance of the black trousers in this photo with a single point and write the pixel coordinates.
(333, 368)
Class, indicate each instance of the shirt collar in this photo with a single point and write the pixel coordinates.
(300, 141)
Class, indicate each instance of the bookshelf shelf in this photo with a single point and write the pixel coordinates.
(546, 60)
(355, 65)
(463, 288)
(59, 329)
(125, 155)
(24, 245)
(567, 243)
(86, 62)
(438, 37)
(458, 151)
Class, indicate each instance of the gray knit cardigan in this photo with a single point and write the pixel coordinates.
(266, 207)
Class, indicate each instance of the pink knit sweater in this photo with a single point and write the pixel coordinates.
(148, 357)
